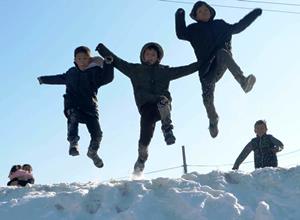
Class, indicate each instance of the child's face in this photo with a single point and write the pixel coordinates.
(82, 60)
(27, 168)
(260, 130)
(203, 13)
(150, 56)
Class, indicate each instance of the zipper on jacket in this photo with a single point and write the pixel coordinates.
(261, 153)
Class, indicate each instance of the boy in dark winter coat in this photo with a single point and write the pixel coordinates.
(150, 82)
(211, 40)
(265, 147)
(80, 100)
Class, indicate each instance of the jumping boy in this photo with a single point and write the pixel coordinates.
(80, 100)
(211, 40)
(150, 82)
(265, 147)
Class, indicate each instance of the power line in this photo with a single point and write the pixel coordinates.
(272, 3)
(235, 7)
(159, 171)
(198, 165)
(231, 164)
(150, 172)
(292, 152)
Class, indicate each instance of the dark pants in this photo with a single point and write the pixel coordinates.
(92, 123)
(17, 182)
(223, 60)
(150, 114)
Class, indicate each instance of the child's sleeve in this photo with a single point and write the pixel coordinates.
(180, 25)
(278, 144)
(107, 75)
(59, 79)
(243, 155)
(20, 174)
(178, 72)
(120, 64)
(246, 21)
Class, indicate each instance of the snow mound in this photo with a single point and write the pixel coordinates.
(265, 194)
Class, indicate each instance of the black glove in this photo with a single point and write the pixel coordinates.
(40, 80)
(257, 11)
(180, 11)
(108, 59)
(98, 47)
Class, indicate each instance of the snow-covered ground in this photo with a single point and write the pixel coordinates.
(264, 194)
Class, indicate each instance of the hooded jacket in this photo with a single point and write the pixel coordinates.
(208, 37)
(149, 82)
(82, 86)
(264, 148)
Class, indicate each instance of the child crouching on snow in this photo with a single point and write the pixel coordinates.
(20, 175)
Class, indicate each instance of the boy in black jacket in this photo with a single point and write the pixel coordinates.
(80, 100)
(150, 82)
(264, 146)
(211, 40)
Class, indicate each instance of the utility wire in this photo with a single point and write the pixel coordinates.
(236, 7)
(272, 3)
(198, 165)
(230, 164)
(154, 171)
(292, 152)
(159, 171)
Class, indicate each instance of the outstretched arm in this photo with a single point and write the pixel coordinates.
(181, 30)
(120, 64)
(246, 21)
(59, 79)
(177, 72)
(108, 72)
(245, 152)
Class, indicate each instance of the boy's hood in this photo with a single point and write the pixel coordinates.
(152, 44)
(95, 61)
(199, 4)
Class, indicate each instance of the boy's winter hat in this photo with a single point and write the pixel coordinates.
(154, 46)
(82, 49)
(198, 5)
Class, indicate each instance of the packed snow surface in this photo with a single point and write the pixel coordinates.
(264, 194)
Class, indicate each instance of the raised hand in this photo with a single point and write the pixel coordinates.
(40, 80)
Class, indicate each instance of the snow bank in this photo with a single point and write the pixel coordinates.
(264, 194)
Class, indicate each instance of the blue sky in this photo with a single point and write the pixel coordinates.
(38, 38)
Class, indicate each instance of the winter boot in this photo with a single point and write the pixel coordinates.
(213, 127)
(94, 156)
(142, 158)
(139, 166)
(74, 149)
(169, 137)
(248, 83)
(92, 153)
